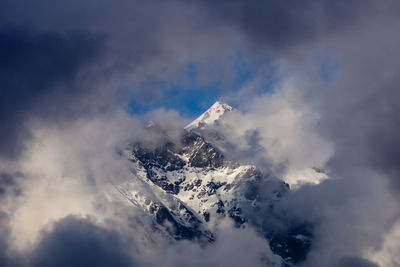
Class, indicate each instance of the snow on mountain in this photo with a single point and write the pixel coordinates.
(192, 183)
(186, 185)
(211, 116)
(215, 123)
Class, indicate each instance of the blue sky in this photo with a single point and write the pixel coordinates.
(191, 98)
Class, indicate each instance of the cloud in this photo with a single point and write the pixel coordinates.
(233, 247)
(278, 132)
(356, 262)
(387, 254)
(57, 68)
(40, 72)
(4, 238)
(284, 26)
(69, 69)
(80, 242)
(68, 164)
(357, 113)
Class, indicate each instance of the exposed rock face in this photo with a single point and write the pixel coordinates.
(293, 244)
(187, 183)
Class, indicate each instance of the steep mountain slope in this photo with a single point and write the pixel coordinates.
(187, 184)
(211, 116)
(217, 126)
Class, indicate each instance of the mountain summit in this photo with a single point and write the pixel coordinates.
(210, 116)
(186, 186)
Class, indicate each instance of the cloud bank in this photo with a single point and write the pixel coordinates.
(69, 71)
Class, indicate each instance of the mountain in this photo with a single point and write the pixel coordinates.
(186, 183)
(214, 124)
(211, 117)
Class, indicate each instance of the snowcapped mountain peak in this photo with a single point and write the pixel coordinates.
(185, 185)
(220, 106)
(210, 116)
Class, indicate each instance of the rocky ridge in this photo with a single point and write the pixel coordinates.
(187, 184)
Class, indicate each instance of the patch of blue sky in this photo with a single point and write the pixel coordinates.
(186, 96)
(327, 68)
(190, 97)
(247, 69)
(243, 68)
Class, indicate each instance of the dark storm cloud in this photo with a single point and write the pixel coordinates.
(9, 184)
(4, 235)
(38, 77)
(71, 241)
(355, 262)
(59, 61)
(286, 24)
(75, 241)
(360, 108)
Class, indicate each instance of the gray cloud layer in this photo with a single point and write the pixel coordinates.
(73, 65)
